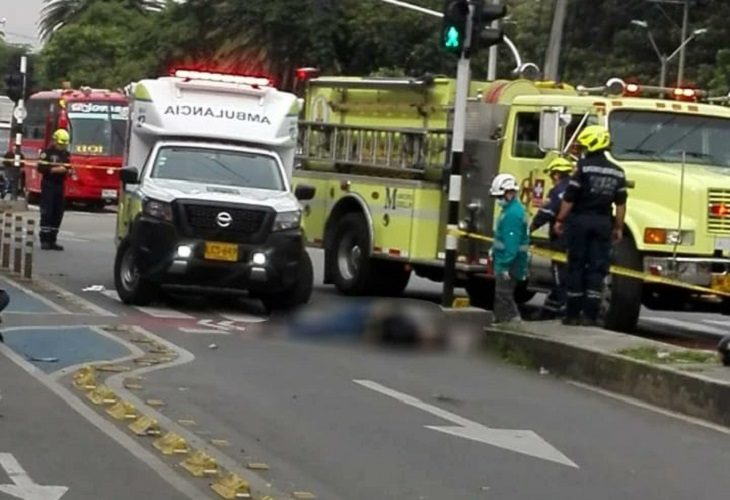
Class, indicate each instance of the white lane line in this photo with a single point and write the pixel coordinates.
(116, 382)
(23, 486)
(526, 442)
(162, 313)
(243, 318)
(646, 406)
(73, 297)
(37, 296)
(718, 322)
(685, 325)
(124, 440)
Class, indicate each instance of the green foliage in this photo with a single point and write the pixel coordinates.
(104, 47)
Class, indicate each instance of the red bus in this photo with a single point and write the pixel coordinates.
(96, 120)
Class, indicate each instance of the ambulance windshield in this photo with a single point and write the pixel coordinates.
(217, 166)
(665, 137)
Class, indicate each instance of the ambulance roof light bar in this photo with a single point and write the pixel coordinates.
(253, 81)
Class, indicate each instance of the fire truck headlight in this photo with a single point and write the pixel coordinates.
(158, 210)
(287, 220)
(660, 236)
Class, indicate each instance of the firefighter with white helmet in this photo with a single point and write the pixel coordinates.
(559, 171)
(597, 185)
(511, 242)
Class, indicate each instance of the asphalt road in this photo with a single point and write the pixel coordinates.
(326, 413)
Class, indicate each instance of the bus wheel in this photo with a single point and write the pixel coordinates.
(623, 295)
(131, 287)
(481, 292)
(349, 260)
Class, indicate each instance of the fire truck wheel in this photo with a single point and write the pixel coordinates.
(392, 277)
(131, 287)
(296, 296)
(623, 295)
(481, 292)
(351, 266)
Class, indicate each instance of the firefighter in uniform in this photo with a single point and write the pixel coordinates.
(559, 171)
(511, 243)
(54, 165)
(597, 185)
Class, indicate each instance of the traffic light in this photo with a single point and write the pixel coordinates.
(14, 86)
(482, 34)
(453, 30)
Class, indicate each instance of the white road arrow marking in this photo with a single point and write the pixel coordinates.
(24, 487)
(211, 326)
(520, 441)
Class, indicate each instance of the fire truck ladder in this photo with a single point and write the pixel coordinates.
(410, 151)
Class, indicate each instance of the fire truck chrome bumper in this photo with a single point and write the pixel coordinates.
(692, 270)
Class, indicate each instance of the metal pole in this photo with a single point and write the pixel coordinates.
(682, 53)
(29, 240)
(663, 78)
(552, 60)
(453, 187)
(18, 245)
(493, 53)
(19, 117)
(7, 235)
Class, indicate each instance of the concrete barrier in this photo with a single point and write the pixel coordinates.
(17, 244)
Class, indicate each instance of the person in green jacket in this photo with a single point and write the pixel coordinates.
(509, 252)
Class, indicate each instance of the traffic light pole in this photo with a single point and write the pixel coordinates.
(19, 115)
(453, 187)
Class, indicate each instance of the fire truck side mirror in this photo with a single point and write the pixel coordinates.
(304, 192)
(129, 175)
(551, 124)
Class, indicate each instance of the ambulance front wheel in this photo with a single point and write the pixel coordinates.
(296, 296)
(131, 287)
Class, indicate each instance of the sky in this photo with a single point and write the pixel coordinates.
(21, 17)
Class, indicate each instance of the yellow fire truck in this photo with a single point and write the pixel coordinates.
(377, 151)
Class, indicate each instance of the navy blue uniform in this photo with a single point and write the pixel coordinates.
(597, 185)
(52, 194)
(555, 301)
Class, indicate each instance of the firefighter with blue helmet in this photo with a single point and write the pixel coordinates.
(586, 217)
(559, 171)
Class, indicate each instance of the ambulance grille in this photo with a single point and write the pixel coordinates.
(718, 211)
(243, 221)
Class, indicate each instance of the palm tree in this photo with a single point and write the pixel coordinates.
(57, 13)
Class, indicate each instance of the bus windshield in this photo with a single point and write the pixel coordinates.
(97, 128)
(666, 137)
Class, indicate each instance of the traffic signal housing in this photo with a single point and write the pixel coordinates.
(483, 35)
(453, 30)
(14, 86)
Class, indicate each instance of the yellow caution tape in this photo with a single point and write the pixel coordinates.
(617, 270)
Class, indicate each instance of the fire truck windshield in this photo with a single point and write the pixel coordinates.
(97, 128)
(665, 137)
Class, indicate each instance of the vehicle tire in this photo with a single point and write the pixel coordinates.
(350, 265)
(664, 298)
(296, 296)
(131, 287)
(481, 292)
(623, 295)
(392, 277)
(523, 295)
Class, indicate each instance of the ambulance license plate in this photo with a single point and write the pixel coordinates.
(221, 251)
(109, 194)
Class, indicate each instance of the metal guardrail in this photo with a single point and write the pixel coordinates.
(17, 244)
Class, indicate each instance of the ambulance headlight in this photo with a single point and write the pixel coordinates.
(287, 220)
(158, 210)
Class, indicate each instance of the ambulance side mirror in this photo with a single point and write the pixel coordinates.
(552, 121)
(304, 192)
(129, 175)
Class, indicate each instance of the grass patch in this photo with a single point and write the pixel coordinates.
(662, 357)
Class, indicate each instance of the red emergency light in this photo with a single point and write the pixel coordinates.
(721, 210)
(688, 95)
(308, 73)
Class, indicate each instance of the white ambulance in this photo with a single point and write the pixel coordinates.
(206, 202)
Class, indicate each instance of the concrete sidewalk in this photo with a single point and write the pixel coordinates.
(691, 382)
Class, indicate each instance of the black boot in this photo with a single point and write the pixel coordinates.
(56, 246)
(45, 245)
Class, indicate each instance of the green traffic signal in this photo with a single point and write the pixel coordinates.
(452, 38)
(453, 30)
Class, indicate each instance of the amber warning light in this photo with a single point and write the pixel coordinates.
(720, 210)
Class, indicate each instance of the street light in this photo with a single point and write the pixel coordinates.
(663, 59)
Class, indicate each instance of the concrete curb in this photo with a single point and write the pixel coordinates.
(702, 395)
